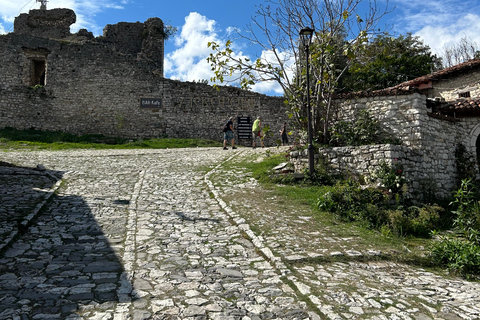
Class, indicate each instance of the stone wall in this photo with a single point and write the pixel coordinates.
(451, 88)
(401, 115)
(428, 143)
(94, 87)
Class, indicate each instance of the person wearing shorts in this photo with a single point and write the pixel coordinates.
(228, 135)
(257, 131)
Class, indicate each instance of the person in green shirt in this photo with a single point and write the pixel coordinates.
(257, 131)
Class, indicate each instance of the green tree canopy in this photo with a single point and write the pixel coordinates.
(386, 61)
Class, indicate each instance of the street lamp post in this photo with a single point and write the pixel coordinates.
(306, 37)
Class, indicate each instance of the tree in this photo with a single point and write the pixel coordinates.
(464, 50)
(342, 26)
(386, 61)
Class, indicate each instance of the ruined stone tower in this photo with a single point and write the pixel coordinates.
(142, 41)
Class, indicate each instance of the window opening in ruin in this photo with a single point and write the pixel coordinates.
(38, 72)
(464, 94)
(35, 66)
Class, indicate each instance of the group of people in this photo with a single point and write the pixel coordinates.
(257, 132)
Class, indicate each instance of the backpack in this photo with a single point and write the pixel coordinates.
(225, 127)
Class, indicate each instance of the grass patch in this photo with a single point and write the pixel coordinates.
(290, 207)
(12, 139)
(359, 219)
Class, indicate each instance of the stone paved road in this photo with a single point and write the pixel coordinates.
(145, 234)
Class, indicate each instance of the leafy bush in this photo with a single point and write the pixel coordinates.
(373, 208)
(363, 130)
(460, 256)
(390, 176)
(461, 253)
(350, 203)
(467, 211)
(417, 221)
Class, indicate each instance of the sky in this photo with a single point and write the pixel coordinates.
(438, 23)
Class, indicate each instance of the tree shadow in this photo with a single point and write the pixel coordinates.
(62, 261)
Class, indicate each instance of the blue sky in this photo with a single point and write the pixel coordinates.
(438, 23)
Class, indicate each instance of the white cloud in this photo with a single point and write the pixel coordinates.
(439, 23)
(273, 87)
(268, 87)
(188, 61)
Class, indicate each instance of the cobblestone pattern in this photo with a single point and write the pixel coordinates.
(132, 236)
(335, 272)
(23, 192)
(146, 235)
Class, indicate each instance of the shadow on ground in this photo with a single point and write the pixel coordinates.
(62, 261)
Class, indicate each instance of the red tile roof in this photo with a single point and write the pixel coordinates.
(462, 107)
(441, 74)
(382, 92)
(465, 107)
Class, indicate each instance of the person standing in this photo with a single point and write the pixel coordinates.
(284, 135)
(228, 135)
(257, 131)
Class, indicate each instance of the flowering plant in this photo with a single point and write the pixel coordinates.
(391, 176)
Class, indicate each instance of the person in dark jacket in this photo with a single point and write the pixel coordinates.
(228, 135)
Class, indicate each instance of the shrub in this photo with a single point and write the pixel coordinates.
(462, 253)
(391, 176)
(372, 207)
(350, 203)
(417, 221)
(460, 256)
(363, 130)
(467, 211)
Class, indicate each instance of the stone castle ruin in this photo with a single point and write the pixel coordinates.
(113, 84)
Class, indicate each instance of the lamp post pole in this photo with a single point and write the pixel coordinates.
(306, 36)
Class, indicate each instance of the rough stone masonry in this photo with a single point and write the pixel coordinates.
(111, 84)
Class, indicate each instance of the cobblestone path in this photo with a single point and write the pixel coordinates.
(152, 234)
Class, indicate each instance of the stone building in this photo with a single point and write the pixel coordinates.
(113, 84)
(431, 115)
